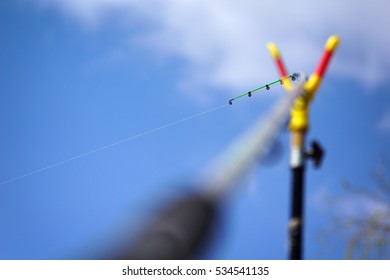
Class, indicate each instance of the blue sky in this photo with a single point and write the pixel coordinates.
(79, 75)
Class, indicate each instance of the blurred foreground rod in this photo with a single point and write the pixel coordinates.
(180, 229)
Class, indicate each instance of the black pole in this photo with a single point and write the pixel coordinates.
(296, 219)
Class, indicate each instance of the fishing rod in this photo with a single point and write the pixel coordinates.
(184, 225)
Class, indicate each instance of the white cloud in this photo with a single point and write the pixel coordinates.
(223, 41)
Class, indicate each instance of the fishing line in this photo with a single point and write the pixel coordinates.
(111, 145)
(249, 93)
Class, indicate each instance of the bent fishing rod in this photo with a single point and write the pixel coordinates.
(182, 227)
